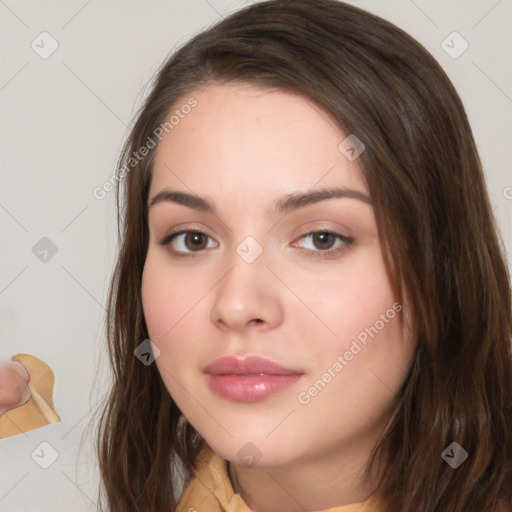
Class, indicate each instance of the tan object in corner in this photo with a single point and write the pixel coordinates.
(39, 410)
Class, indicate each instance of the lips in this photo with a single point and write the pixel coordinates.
(250, 366)
(252, 379)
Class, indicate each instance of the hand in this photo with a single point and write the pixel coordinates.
(14, 390)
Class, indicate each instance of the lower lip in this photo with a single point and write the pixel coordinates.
(241, 388)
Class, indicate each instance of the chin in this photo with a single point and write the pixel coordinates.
(252, 453)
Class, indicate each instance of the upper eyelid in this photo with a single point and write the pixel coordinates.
(197, 230)
(345, 239)
(169, 236)
(348, 231)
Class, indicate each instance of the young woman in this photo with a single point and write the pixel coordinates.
(307, 241)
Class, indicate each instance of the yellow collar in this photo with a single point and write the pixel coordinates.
(210, 490)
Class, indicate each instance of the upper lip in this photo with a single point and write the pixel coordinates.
(252, 365)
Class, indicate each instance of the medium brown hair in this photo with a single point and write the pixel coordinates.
(439, 239)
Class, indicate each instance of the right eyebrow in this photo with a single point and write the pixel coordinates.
(184, 198)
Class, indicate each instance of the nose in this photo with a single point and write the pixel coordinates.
(247, 297)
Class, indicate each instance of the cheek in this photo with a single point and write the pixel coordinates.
(354, 384)
(172, 305)
(167, 296)
(361, 322)
(166, 301)
(349, 300)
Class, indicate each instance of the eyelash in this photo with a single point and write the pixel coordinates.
(347, 242)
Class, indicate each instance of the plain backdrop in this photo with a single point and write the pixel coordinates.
(64, 117)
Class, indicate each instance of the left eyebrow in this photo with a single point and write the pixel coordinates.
(301, 200)
(283, 205)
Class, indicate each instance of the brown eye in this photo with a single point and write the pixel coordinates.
(184, 243)
(325, 243)
(195, 241)
(323, 240)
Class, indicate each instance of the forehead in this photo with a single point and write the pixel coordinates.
(245, 137)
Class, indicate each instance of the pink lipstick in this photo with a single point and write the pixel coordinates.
(249, 380)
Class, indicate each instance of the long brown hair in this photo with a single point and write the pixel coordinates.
(439, 239)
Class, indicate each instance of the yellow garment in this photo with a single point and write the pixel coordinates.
(210, 490)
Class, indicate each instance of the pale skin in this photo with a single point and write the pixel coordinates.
(244, 147)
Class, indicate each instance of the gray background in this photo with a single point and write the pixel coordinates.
(64, 118)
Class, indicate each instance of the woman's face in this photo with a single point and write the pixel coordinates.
(260, 280)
